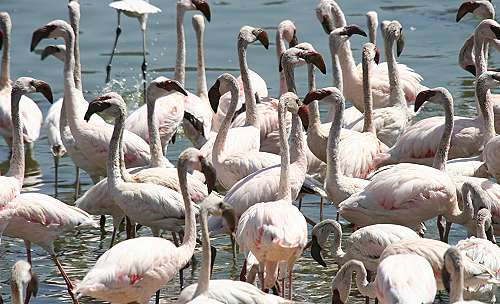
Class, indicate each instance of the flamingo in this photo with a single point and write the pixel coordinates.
(92, 140)
(30, 113)
(221, 291)
(414, 283)
(423, 192)
(275, 231)
(454, 276)
(365, 244)
(136, 9)
(238, 162)
(22, 277)
(410, 80)
(372, 24)
(146, 263)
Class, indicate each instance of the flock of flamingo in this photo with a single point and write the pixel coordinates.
(385, 172)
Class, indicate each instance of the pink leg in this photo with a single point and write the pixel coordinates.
(290, 274)
(27, 244)
(261, 275)
(69, 285)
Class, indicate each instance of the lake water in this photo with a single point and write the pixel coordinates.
(432, 43)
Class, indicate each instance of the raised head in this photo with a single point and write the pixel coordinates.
(162, 86)
(393, 31)
(196, 5)
(110, 103)
(328, 94)
(340, 35)
(480, 8)
(58, 51)
(192, 158)
(371, 52)
(291, 102)
(289, 32)
(5, 26)
(53, 29)
(250, 34)
(487, 29)
(224, 83)
(198, 23)
(303, 53)
(324, 15)
(27, 85)
(488, 80)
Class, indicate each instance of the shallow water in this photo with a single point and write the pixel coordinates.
(432, 43)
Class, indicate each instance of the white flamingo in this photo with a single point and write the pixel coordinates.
(372, 24)
(221, 291)
(410, 80)
(454, 276)
(22, 277)
(30, 113)
(393, 284)
(90, 139)
(275, 231)
(146, 263)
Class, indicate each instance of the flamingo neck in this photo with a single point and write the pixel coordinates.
(332, 152)
(201, 85)
(204, 276)
(441, 155)
(188, 243)
(220, 139)
(250, 102)
(465, 215)
(280, 49)
(72, 114)
(16, 289)
(486, 111)
(337, 79)
(5, 73)
(313, 114)
(284, 185)
(154, 135)
(297, 142)
(396, 94)
(372, 30)
(180, 58)
(116, 152)
(457, 284)
(479, 54)
(364, 287)
(16, 168)
(74, 18)
(311, 79)
(367, 94)
(289, 76)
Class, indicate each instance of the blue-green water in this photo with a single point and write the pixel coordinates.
(432, 43)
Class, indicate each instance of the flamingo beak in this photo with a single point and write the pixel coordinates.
(44, 88)
(304, 116)
(262, 37)
(471, 69)
(213, 255)
(316, 251)
(466, 7)
(377, 55)
(315, 95)
(32, 288)
(294, 40)
(195, 122)
(1, 44)
(354, 29)
(97, 105)
(316, 59)
(210, 175)
(336, 297)
(496, 31)
(214, 96)
(400, 44)
(172, 85)
(422, 97)
(41, 33)
(203, 7)
(49, 50)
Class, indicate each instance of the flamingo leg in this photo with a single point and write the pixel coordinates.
(243, 272)
(290, 275)
(321, 210)
(233, 246)
(181, 271)
(337, 219)
(118, 32)
(261, 275)
(66, 278)
(447, 231)
(77, 182)
(157, 297)
(102, 224)
(56, 174)
(113, 236)
(300, 202)
(440, 227)
(27, 245)
(144, 66)
(282, 287)
(130, 228)
(368, 278)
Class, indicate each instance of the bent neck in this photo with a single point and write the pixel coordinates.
(154, 135)
(367, 97)
(250, 102)
(444, 145)
(284, 185)
(204, 276)
(486, 110)
(16, 289)
(396, 94)
(16, 168)
(457, 285)
(180, 58)
(5, 73)
(220, 139)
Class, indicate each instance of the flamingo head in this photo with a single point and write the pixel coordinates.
(488, 80)
(26, 85)
(58, 51)
(289, 32)
(393, 31)
(249, 34)
(341, 283)
(198, 5)
(371, 52)
(302, 53)
(488, 29)
(23, 277)
(5, 26)
(224, 83)
(324, 15)
(163, 84)
(192, 158)
(328, 94)
(480, 8)
(290, 102)
(222, 209)
(110, 103)
(338, 36)
(53, 29)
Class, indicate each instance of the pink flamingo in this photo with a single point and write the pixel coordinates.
(31, 115)
(275, 231)
(146, 263)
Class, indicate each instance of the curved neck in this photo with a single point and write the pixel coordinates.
(465, 215)
(16, 289)
(250, 102)
(367, 97)
(396, 94)
(186, 249)
(201, 88)
(457, 284)
(74, 18)
(204, 276)
(486, 110)
(444, 145)
(337, 245)
(115, 151)
(180, 58)
(332, 152)
(284, 186)
(154, 135)
(479, 54)
(280, 49)
(345, 273)
(220, 139)
(311, 79)
(16, 168)
(5, 73)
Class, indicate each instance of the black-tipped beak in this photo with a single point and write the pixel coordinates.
(230, 218)
(422, 97)
(294, 40)
(304, 116)
(48, 51)
(32, 288)
(214, 96)
(377, 55)
(445, 278)
(172, 85)
(471, 69)
(316, 59)
(354, 29)
(44, 88)
(1, 39)
(315, 95)
(262, 37)
(210, 175)
(39, 34)
(213, 255)
(466, 7)
(195, 122)
(336, 297)
(316, 252)
(496, 31)
(400, 44)
(203, 7)
(327, 26)
(97, 105)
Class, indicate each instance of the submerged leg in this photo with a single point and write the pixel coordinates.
(77, 182)
(144, 66)
(118, 32)
(321, 210)
(69, 285)
(56, 174)
(447, 231)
